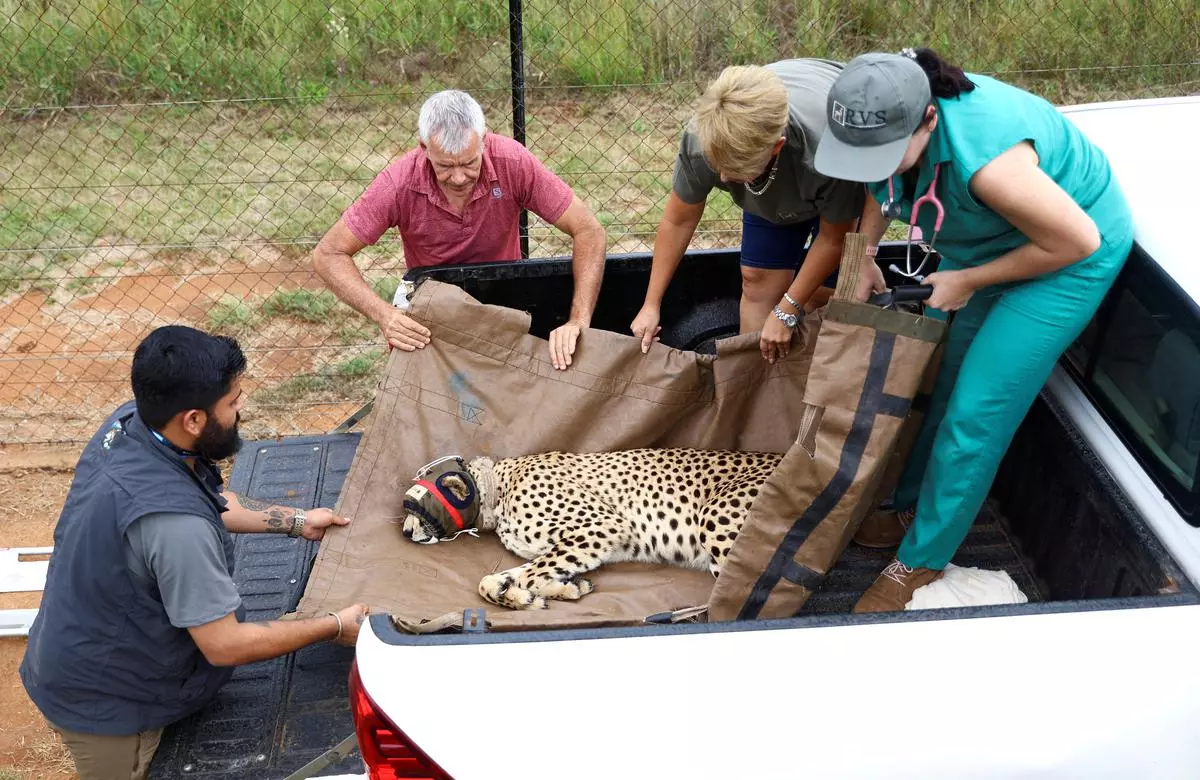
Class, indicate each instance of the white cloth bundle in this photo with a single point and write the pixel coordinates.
(967, 587)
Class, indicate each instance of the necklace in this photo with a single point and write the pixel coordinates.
(770, 178)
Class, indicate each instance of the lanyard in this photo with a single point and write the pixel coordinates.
(177, 450)
(892, 209)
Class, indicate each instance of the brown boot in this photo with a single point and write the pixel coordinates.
(883, 529)
(894, 587)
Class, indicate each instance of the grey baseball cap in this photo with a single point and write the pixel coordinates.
(873, 108)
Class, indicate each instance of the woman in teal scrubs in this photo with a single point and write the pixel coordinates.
(1034, 230)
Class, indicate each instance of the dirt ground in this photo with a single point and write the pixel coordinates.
(33, 484)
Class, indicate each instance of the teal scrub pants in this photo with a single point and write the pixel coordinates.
(1000, 351)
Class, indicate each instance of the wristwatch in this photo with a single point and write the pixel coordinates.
(297, 523)
(787, 319)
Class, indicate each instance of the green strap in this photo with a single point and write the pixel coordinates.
(922, 327)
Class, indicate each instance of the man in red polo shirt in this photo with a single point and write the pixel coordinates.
(457, 199)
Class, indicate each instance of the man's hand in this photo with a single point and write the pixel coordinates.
(228, 642)
(562, 344)
(317, 520)
(645, 326)
(775, 340)
(403, 332)
(870, 282)
(352, 620)
(951, 290)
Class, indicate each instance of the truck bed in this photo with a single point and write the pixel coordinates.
(1056, 522)
(275, 716)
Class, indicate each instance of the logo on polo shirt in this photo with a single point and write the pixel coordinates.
(497, 193)
(862, 120)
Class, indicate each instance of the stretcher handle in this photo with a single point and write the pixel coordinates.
(911, 292)
(901, 293)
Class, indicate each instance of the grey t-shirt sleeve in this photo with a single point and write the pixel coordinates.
(840, 201)
(184, 556)
(693, 178)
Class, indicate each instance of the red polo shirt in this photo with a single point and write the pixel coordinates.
(406, 195)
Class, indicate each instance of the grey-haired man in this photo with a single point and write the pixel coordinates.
(456, 199)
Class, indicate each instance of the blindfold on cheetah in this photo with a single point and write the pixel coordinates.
(571, 513)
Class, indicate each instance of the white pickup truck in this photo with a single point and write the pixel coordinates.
(1094, 514)
(1096, 504)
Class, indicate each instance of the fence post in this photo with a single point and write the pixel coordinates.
(516, 48)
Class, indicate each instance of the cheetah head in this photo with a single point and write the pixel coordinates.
(448, 498)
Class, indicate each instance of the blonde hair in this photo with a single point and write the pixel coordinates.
(740, 117)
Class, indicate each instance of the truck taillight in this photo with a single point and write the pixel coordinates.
(388, 752)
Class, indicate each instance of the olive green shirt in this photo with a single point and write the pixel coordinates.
(798, 192)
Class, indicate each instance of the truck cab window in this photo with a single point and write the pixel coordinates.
(1146, 369)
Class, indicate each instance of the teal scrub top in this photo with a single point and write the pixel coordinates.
(975, 128)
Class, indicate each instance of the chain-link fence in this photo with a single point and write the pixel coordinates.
(175, 161)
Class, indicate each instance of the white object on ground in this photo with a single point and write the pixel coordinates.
(967, 587)
(16, 622)
(18, 576)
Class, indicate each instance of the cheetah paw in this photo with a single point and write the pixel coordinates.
(566, 591)
(499, 589)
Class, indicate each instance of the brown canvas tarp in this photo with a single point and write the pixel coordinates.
(484, 386)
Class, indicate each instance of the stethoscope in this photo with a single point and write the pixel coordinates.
(892, 209)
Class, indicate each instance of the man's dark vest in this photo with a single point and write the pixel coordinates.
(103, 658)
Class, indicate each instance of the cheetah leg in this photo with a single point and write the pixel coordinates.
(722, 517)
(552, 575)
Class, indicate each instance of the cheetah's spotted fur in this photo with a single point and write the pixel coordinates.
(569, 514)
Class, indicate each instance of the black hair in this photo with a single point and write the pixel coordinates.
(945, 80)
(177, 368)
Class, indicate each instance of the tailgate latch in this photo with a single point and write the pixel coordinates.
(474, 621)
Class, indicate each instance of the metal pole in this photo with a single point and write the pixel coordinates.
(516, 48)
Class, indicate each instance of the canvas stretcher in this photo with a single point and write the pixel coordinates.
(836, 407)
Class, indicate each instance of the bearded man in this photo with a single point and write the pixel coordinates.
(140, 621)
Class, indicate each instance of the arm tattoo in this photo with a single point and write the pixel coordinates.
(279, 518)
(255, 505)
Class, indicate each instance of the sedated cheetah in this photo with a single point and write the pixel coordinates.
(568, 514)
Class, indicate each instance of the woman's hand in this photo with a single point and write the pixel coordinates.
(870, 282)
(951, 290)
(775, 339)
(645, 326)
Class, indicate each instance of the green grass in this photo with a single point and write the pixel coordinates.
(348, 379)
(69, 51)
(354, 334)
(304, 305)
(219, 178)
(85, 285)
(231, 316)
(180, 177)
(385, 287)
(11, 774)
(359, 366)
(11, 277)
